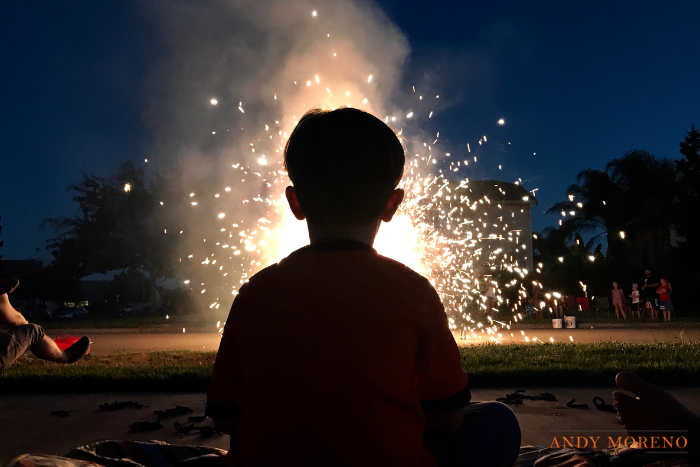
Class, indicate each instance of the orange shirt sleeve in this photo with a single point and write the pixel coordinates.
(440, 380)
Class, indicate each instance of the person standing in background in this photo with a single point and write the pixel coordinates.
(666, 306)
(618, 298)
(651, 283)
(636, 306)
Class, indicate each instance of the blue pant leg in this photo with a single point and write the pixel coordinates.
(488, 437)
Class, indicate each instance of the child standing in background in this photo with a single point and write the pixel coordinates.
(636, 306)
(618, 298)
(664, 292)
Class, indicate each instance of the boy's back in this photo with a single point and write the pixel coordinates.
(328, 355)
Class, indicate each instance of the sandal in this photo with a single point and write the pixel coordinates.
(78, 350)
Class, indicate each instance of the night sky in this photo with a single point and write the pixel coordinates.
(578, 83)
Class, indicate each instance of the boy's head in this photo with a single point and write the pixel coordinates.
(345, 165)
(663, 280)
(634, 286)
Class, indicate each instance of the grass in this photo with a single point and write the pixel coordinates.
(489, 365)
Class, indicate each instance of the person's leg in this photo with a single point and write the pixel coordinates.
(32, 337)
(16, 341)
(488, 437)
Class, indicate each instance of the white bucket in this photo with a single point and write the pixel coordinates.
(556, 323)
(570, 322)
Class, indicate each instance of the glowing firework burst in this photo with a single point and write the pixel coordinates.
(441, 230)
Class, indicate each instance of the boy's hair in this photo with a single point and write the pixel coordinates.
(344, 165)
(635, 285)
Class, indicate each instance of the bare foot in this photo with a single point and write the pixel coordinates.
(654, 411)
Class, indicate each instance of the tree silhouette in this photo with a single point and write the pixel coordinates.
(689, 198)
(1, 242)
(629, 205)
(123, 223)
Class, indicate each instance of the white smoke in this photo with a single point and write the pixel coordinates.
(247, 52)
(265, 63)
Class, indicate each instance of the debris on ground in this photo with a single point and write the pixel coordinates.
(572, 405)
(519, 396)
(204, 431)
(120, 405)
(600, 404)
(172, 413)
(142, 427)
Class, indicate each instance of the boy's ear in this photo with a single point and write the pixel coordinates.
(392, 205)
(293, 201)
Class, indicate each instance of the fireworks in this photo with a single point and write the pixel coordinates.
(458, 237)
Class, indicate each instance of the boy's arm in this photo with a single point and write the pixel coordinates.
(448, 422)
(225, 379)
(440, 381)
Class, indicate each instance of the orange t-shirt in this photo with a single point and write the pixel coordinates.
(331, 357)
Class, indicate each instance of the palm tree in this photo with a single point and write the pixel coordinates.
(629, 205)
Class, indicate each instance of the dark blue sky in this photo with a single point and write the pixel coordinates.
(577, 82)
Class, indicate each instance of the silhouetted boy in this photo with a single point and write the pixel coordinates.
(337, 355)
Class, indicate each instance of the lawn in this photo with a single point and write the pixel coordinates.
(488, 365)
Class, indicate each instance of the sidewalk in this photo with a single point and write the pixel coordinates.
(31, 428)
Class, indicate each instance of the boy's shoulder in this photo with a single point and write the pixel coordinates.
(370, 264)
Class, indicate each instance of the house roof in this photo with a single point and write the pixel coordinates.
(498, 191)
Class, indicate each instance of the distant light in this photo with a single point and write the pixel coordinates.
(561, 259)
(191, 195)
(501, 121)
(228, 188)
(145, 160)
(214, 102)
(622, 234)
(221, 215)
(127, 187)
(313, 13)
(571, 197)
(526, 198)
(409, 115)
(591, 257)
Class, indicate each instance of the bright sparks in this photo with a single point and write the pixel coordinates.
(127, 187)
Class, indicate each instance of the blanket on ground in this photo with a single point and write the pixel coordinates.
(159, 454)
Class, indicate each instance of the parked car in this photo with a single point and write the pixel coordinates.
(130, 309)
(69, 313)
